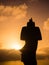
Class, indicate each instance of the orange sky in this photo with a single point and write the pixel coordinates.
(13, 18)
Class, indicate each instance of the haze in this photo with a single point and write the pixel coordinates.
(15, 15)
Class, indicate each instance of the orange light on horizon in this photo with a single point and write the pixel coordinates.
(16, 46)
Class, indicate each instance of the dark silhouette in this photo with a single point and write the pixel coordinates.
(31, 35)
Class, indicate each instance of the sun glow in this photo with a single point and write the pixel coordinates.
(16, 47)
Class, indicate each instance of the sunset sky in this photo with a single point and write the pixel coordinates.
(14, 14)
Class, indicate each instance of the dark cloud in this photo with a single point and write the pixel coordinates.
(10, 2)
(43, 0)
(13, 2)
(18, 2)
(39, 10)
(9, 55)
(45, 55)
(42, 57)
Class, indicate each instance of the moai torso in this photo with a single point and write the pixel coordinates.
(31, 34)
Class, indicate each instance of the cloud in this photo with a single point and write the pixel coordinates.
(13, 55)
(10, 2)
(19, 2)
(45, 55)
(15, 2)
(16, 11)
(46, 25)
(9, 55)
(43, 0)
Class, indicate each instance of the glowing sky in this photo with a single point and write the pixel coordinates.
(14, 14)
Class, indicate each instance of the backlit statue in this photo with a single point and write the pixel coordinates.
(30, 34)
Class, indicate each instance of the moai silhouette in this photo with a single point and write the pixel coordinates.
(30, 34)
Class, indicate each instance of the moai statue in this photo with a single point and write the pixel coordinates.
(30, 34)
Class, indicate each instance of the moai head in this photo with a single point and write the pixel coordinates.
(30, 23)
